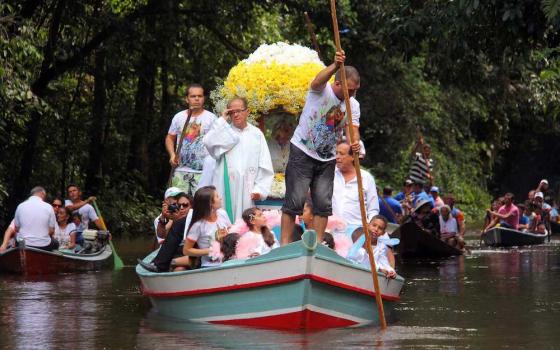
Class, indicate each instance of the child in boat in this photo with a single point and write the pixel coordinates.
(209, 222)
(259, 239)
(228, 246)
(377, 228)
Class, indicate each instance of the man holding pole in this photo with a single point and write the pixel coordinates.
(312, 158)
(187, 154)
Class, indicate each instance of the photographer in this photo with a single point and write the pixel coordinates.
(170, 211)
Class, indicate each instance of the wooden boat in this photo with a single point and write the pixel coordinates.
(33, 261)
(419, 243)
(505, 237)
(303, 285)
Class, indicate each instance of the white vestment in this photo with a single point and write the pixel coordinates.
(248, 162)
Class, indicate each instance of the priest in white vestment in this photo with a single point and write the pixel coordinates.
(243, 147)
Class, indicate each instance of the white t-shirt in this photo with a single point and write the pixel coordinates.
(449, 226)
(204, 232)
(87, 213)
(33, 219)
(193, 151)
(318, 130)
(63, 235)
(346, 200)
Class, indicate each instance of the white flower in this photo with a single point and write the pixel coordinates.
(283, 53)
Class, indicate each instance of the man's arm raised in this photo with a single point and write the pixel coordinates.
(322, 78)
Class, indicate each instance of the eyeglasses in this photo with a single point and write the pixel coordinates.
(237, 111)
(183, 205)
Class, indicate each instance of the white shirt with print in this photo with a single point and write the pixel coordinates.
(193, 152)
(204, 232)
(322, 123)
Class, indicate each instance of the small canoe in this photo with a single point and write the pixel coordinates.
(33, 261)
(303, 285)
(505, 237)
(419, 243)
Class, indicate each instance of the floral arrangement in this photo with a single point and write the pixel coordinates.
(278, 188)
(275, 76)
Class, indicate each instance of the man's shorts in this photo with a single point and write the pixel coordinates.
(304, 173)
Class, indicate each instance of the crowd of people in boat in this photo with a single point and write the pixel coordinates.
(58, 225)
(224, 168)
(534, 215)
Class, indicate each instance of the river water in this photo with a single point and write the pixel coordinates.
(489, 299)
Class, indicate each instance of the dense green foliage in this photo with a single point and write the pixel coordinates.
(88, 89)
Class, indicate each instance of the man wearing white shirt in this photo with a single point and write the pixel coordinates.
(35, 221)
(345, 199)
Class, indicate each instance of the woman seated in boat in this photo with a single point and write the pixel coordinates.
(258, 240)
(449, 229)
(209, 222)
(381, 253)
(65, 231)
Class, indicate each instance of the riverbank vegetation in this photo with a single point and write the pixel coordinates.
(88, 89)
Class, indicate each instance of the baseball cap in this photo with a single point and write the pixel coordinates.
(539, 195)
(434, 189)
(172, 192)
(408, 182)
(544, 181)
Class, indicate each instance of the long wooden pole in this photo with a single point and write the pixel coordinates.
(379, 301)
(312, 35)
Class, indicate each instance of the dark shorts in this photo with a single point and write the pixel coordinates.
(304, 173)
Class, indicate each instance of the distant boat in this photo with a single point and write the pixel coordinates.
(505, 237)
(303, 285)
(419, 243)
(33, 261)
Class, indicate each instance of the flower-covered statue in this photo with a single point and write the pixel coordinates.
(275, 80)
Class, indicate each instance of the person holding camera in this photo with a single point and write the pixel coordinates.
(170, 211)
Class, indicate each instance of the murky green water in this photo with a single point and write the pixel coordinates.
(490, 299)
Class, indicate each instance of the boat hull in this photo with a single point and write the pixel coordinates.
(504, 237)
(32, 261)
(291, 287)
(418, 243)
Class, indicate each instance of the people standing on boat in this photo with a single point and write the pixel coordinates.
(169, 212)
(377, 229)
(192, 166)
(390, 207)
(311, 164)
(279, 143)
(507, 216)
(548, 193)
(171, 247)
(259, 239)
(65, 230)
(345, 197)
(34, 222)
(422, 166)
(209, 222)
(244, 171)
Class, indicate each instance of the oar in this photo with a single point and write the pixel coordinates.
(312, 35)
(116, 259)
(378, 300)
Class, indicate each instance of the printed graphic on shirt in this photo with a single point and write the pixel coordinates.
(193, 150)
(325, 129)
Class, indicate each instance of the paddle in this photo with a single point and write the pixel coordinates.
(382, 321)
(116, 259)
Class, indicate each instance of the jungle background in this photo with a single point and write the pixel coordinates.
(88, 89)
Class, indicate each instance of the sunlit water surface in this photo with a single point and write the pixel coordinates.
(489, 299)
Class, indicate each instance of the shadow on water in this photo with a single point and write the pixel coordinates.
(491, 298)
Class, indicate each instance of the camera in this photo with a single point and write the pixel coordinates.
(173, 208)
